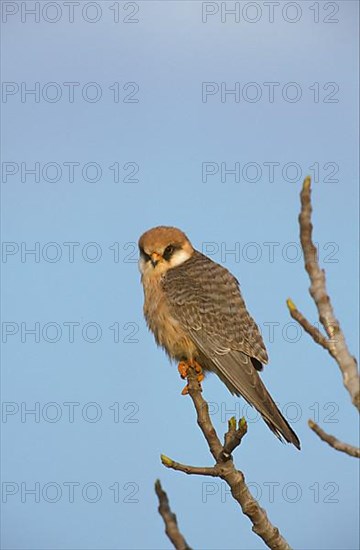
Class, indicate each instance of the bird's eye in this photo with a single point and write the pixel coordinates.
(168, 252)
(145, 256)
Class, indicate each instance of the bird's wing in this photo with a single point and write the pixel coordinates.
(205, 298)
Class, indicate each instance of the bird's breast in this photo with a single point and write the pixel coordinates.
(167, 330)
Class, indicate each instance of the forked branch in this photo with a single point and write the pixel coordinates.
(334, 342)
(224, 467)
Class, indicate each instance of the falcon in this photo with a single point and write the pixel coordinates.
(196, 311)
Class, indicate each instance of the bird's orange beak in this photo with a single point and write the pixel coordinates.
(155, 258)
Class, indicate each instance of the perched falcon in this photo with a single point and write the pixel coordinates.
(197, 314)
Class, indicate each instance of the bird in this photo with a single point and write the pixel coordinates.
(197, 314)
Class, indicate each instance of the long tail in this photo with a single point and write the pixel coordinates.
(238, 373)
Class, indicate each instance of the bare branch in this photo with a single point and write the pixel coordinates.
(225, 469)
(335, 343)
(233, 437)
(232, 440)
(308, 327)
(171, 526)
(333, 442)
(197, 470)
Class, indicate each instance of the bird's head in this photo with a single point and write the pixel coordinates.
(163, 248)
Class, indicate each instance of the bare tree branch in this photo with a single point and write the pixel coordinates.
(171, 526)
(233, 437)
(333, 442)
(225, 469)
(196, 470)
(308, 327)
(335, 342)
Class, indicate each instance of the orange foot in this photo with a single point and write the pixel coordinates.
(183, 369)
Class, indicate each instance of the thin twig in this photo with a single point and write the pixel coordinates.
(333, 442)
(224, 466)
(308, 327)
(171, 526)
(196, 470)
(233, 437)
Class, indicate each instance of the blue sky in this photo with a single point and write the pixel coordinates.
(132, 124)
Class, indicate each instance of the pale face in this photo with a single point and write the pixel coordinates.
(161, 249)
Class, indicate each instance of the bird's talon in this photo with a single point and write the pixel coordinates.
(197, 367)
(183, 369)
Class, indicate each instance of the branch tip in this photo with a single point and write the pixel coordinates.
(307, 183)
(243, 424)
(232, 424)
(166, 461)
(169, 518)
(333, 441)
(290, 304)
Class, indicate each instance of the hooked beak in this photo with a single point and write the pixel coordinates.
(155, 258)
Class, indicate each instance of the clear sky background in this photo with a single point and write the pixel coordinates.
(107, 402)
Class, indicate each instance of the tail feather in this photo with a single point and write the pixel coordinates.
(240, 376)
